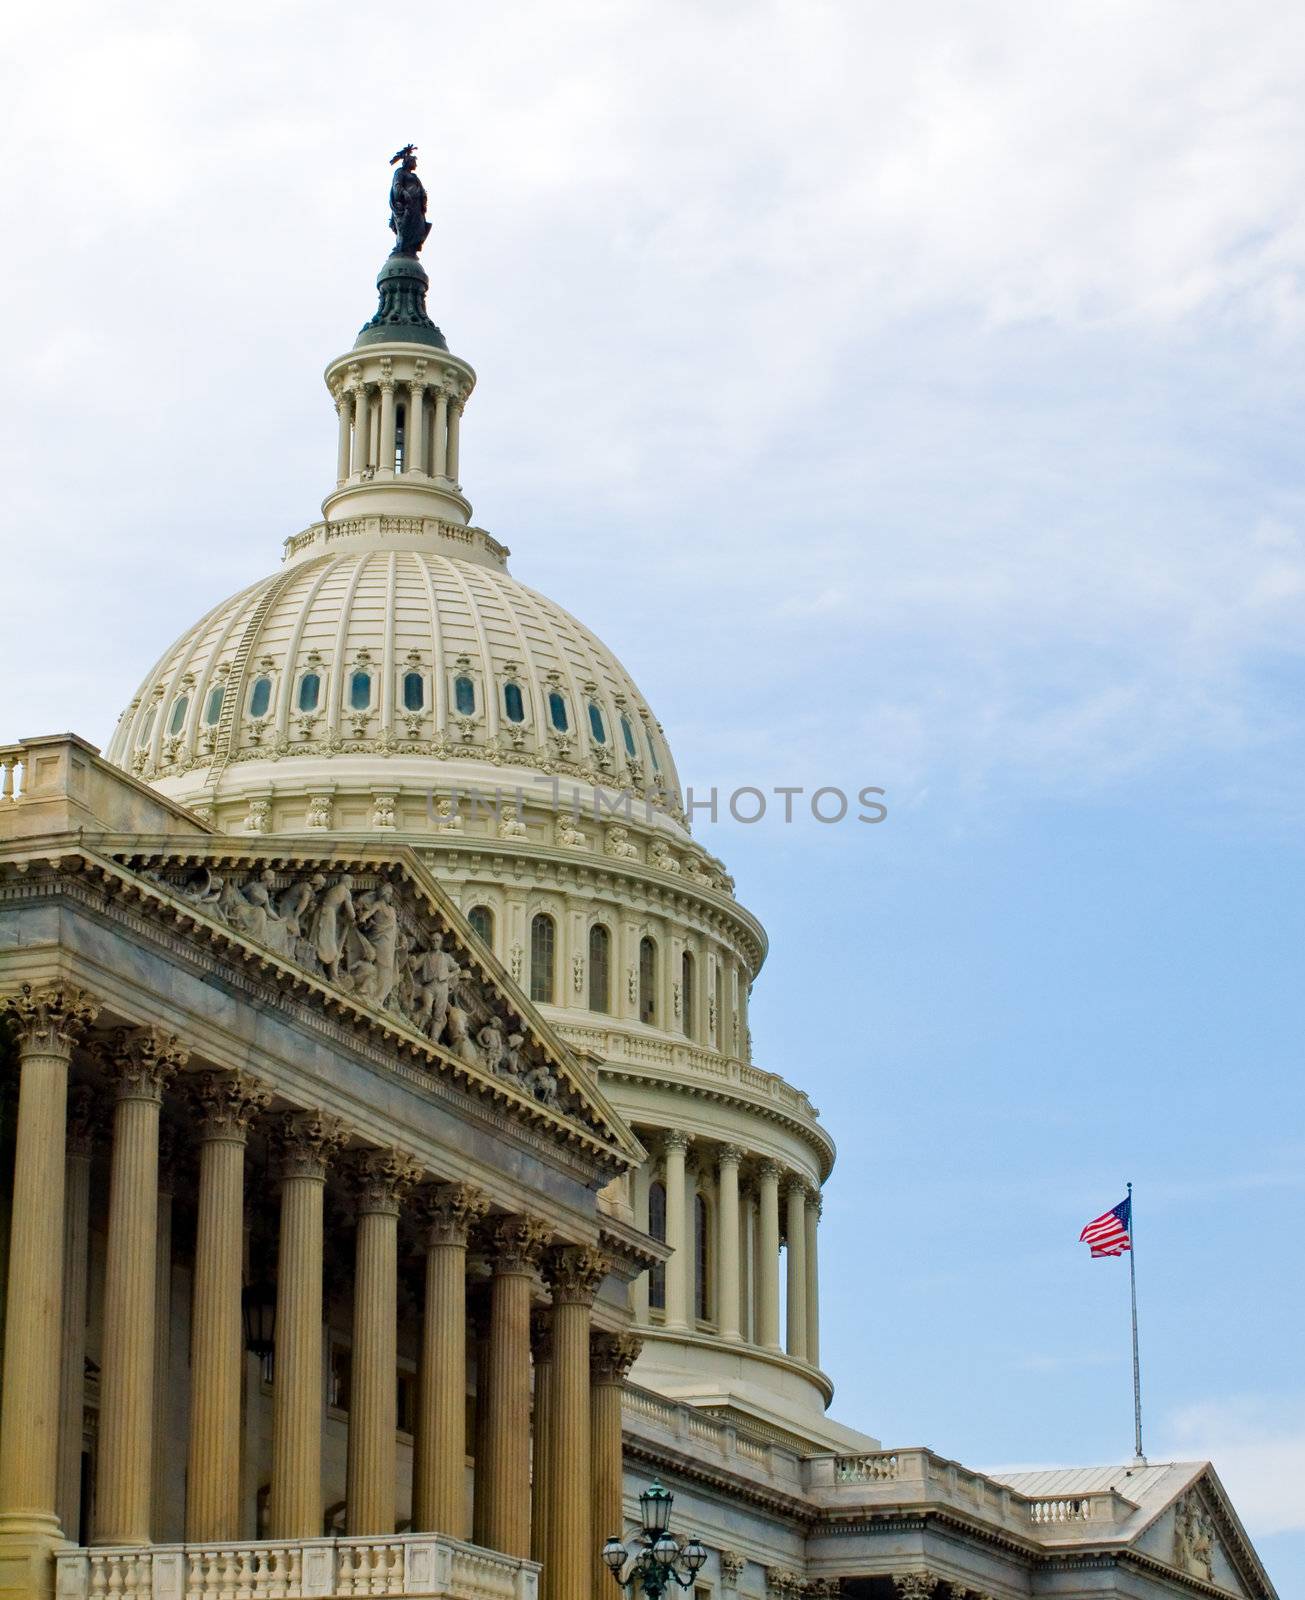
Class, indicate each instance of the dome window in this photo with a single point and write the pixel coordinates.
(652, 751)
(657, 1230)
(596, 724)
(147, 727)
(178, 715)
(557, 712)
(513, 704)
(543, 941)
(481, 919)
(414, 691)
(213, 710)
(464, 697)
(627, 734)
(260, 697)
(310, 687)
(688, 987)
(647, 979)
(600, 964)
(360, 691)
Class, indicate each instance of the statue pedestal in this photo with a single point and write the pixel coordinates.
(401, 315)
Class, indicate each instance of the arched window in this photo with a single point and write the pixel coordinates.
(647, 979)
(687, 979)
(147, 727)
(481, 919)
(260, 697)
(600, 962)
(178, 714)
(213, 710)
(657, 1229)
(627, 734)
(414, 691)
(557, 712)
(701, 1258)
(543, 941)
(310, 686)
(360, 691)
(464, 697)
(596, 724)
(513, 704)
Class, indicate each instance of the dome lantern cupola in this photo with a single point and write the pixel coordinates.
(399, 393)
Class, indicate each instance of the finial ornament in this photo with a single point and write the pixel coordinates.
(407, 204)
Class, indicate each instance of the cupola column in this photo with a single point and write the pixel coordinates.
(768, 1256)
(381, 1178)
(675, 1146)
(414, 433)
(227, 1103)
(727, 1246)
(796, 1230)
(344, 410)
(440, 466)
(361, 430)
(142, 1063)
(455, 432)
(50, 1020)
(813, 1278)
(385, 449)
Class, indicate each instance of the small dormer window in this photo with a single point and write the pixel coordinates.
(513, 704)
(260, 697)
(178, 715)
(213, 710)
(652, 751)
(310, 687)
(627, 736)
(557, 712)
(360, 691)
(147, 727)
(464, 697)
(596, 724)
(414, 691)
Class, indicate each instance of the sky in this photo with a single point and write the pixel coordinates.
(912, 397)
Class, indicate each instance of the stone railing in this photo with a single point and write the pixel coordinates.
(407, 1564)
(319, 534)
(710, 1438)
(12, 768)
(1108, 1507)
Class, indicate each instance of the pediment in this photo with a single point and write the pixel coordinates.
(1199, 1534)
(374, 936)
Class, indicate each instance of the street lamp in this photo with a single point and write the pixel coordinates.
(658, 1557)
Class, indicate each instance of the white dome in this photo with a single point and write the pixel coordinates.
(392, 637)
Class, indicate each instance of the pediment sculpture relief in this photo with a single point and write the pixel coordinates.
(1194, 1538)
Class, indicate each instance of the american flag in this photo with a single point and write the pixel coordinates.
(1108, 1235)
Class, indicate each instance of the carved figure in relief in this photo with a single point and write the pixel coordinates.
(334, 917)
(433, 972)
(490, 1040)
(663, 858)
(458, 1038)
(542, 1084)
(569, 835)
(376, 913)
(511, 1062)
(510, 825)
(447, 819)
(292, 907)
(618, 844)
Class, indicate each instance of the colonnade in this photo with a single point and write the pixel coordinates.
(753, 1206)
(576, 1433)
(368, 428)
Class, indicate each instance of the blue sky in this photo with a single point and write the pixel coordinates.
(911, 400)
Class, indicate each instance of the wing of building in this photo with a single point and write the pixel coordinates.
(390, 1190)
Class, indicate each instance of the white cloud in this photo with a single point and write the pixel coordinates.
(1257, 1446)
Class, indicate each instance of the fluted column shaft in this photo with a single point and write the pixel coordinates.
(796, 1229)
(768, 1255)
(503, 1477)
(813, 1278)
(385, 448)
(611, 1357)
(675, 1145)
(305, 1144)
(381, 1179)
(344, 409)
(440, 1447)
(414, 431)
(227, 1101)
(454, 447)
(50, 1020)
(441, 460)
(727, 1249)
(541, 1351)
(574, 1274)
(142, 1065)
(361, 429)
(76, 1263)
(163, 1470)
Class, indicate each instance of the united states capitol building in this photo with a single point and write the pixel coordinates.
(390, 1191)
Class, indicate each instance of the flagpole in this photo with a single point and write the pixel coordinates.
(1137, 1371)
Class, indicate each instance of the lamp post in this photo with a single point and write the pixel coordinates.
(657, 1558)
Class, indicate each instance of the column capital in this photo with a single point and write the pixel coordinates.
(381, 1179)
(50, 1017)
(575, 1273)
(228, 1102)
(796, 1185)
(815, 1200)
(730, 1155)
(514, 1243)
(915, 1585)
(141, 1062)
(451, 1210)
(306, 1142)
(611, 1355)
(84, 1120)
(676, 1139)
(769, 1170)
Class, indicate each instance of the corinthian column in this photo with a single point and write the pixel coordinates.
(361, 429)
(813, 1278)
(440, 461)
(768, 1255)
(305, 1143)
(76, 1262)
(227, 1102)
(163, 1472)
(49, 1021)
(451, 467)
(141, 1062)
(514, 1244)
(727, 1237)
(344, 410)
(414, 434)
(574, 1273)
(385, 448)
(381, 1179)
(439, 1497)
(675, 1144)
(541, 1434)
(796, 1229)
(611, 1357)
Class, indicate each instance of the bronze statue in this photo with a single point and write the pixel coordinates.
(407, 204)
